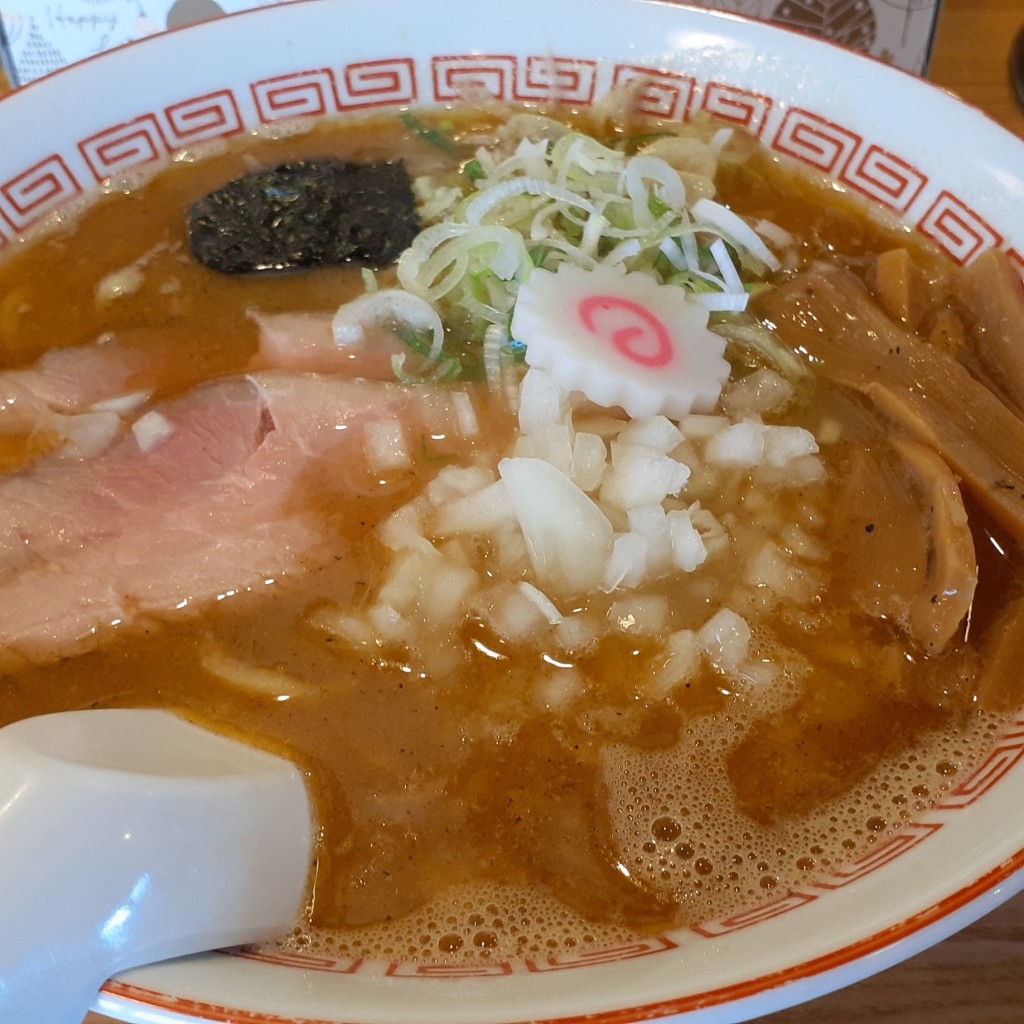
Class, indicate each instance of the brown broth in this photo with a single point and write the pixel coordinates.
(463, 813)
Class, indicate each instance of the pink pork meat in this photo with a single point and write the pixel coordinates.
(202, 506)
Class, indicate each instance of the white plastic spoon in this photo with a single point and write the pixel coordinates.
(128, 837)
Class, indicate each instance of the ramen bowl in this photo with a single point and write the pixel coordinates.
(877, 133)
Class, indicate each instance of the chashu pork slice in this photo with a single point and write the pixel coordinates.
(201, 500)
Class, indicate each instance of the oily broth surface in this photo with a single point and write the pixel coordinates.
(396, 755)
(141, 220)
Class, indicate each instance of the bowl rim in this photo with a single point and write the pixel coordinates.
(851, 960)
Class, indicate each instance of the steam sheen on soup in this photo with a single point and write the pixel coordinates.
(574, 644)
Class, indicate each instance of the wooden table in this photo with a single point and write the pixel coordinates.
(976, 977)
(972, 50)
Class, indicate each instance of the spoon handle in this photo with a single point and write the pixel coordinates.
(128, 837)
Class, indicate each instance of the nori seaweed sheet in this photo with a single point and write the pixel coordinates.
(306, 214)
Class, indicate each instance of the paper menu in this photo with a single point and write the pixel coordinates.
(43, 36)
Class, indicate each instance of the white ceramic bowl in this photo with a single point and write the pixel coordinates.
(904, 145)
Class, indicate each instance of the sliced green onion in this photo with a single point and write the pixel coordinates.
(530, 203)
(432, 136)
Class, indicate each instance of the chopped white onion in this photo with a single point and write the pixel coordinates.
(688, 551)
(627, 566)
(122, 404)
(681, 663)
(514, 616)
(385, 447)
(456, 481)
(387, 623)
(552, 442)
(589, 460)
(774, 570)
(651, 523)
(119, 284)
(657, 432)
(641, 475)
(151, 429)
(558, 688)
(542, 401)
(544, 604)
(495, 337)
(446, 591)
(725, 640)
(784, 444)
(404, 527)
(578, 633)
(641, 614)
(569, 538)
(762, 391)
(481, 512)
(740, 444)
(466, 420)
(697, 426)
(86, 434)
